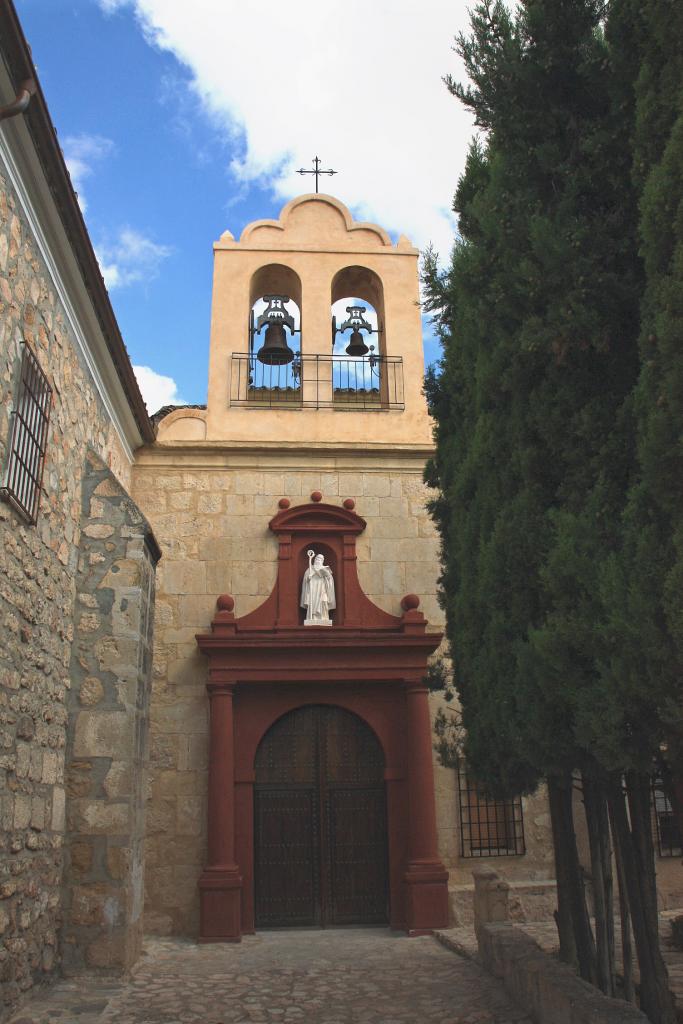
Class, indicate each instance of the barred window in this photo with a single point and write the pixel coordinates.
(488, 828)
(28, 438)
(666, 822)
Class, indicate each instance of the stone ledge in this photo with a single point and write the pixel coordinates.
(546, 988)
(533, 900)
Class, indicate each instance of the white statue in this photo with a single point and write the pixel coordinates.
(317, 591)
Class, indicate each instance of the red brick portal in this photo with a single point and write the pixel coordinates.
(267, 663)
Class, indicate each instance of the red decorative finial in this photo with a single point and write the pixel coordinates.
(284, 503)
(225, 603)
(350, 504)
(316, 496)
(410, 602)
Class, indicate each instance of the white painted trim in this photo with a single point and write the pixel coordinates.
(79, 334)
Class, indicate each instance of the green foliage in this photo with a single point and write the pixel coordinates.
(538, 315)
(642, 584)
(439, 678)
(558, 407)
(450, 736)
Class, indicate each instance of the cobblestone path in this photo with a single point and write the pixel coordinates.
(345, 976)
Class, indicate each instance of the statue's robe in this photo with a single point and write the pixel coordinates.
(317, 593)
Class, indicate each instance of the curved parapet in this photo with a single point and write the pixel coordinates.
(313, 221)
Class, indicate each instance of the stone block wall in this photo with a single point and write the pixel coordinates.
(107, 749)
(37, 575)
(549, 991)
(209, 508)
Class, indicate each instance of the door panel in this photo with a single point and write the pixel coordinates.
(320, 821)
(357, 876)
(286, 867)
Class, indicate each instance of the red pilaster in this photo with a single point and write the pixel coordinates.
(220, 883)
(426, 877)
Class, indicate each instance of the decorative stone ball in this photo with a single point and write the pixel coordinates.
(316, 496)
(410, 602)
(225, 603)
(284, 503)
(349, 503)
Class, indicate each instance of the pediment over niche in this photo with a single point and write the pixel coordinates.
(331, 531)
(317, 518)
(315, 221)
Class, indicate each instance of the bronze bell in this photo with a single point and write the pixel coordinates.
(356, 346)
(275, 351)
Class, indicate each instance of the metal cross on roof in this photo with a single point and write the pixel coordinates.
(316, 171)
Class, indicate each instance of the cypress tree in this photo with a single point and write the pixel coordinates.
(639, 692)
(646, 594)
(539, 315)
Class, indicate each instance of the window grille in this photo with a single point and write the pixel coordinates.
(488, 828)
(28, 438)
(666, 822)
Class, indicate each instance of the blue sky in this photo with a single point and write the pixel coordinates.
(181, 119)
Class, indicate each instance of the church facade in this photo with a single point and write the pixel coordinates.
(214, 633)
(320, 452)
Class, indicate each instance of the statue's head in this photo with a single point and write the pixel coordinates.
(318, 560)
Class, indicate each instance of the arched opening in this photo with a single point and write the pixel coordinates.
(358, 340)
(274, 372)
(359, 286)
(320, 837)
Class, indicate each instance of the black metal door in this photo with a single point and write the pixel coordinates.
(320, 844)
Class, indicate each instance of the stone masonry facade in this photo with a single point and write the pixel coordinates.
(210, 511)
(38, 566)
(108, 705)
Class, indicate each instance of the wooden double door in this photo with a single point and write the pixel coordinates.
(320, 842)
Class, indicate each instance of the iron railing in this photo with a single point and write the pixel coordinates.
(318, 382)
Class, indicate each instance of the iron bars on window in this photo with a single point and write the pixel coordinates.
(488, 828)
(666, 822)
(318, 382)
(28, 438)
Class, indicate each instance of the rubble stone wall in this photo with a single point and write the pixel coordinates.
(108, 705)
(37, 575)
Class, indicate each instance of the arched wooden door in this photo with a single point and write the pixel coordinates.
(320, 843)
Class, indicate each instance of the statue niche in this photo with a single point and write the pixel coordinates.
(321, 587)
(317, 591)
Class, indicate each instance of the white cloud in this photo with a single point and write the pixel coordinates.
(157, 390)
(357, 83)
(81, 153)
(130, 258)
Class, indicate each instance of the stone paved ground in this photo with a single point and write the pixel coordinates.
(345, 976)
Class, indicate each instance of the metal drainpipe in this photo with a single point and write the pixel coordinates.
(27, 89)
